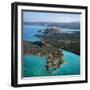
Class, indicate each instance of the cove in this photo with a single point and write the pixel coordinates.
(34, 65)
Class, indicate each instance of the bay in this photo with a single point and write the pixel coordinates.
(34, 66)
(29, 32)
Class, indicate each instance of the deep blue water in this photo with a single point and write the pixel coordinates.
(35, 65)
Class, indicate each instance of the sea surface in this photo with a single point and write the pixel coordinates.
(33, 65)
(29, 32)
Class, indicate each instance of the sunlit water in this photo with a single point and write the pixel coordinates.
(36, 65)
(33, 65)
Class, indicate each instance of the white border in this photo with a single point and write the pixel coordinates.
(53, 78)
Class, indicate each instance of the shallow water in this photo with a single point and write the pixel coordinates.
(35, 66)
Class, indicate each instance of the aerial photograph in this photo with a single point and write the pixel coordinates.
(50, 44)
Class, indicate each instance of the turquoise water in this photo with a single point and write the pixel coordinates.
(35, 66)
(71, 65)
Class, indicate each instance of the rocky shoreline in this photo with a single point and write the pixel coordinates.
(51, 44)
(55, 55)
(66, 41)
